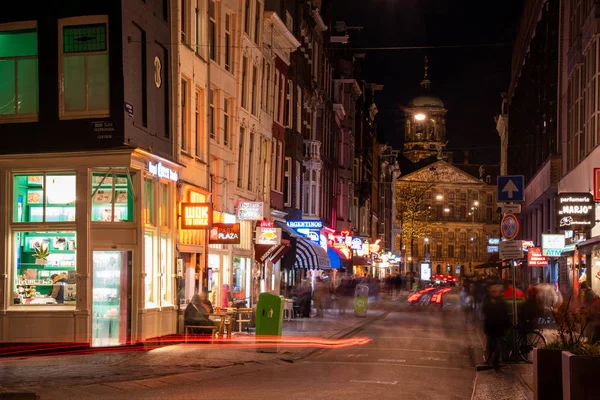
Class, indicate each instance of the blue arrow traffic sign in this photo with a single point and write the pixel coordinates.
(510, 188)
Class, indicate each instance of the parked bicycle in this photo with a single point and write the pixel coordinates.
(527, 340)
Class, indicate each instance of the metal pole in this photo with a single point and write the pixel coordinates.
(514, 299)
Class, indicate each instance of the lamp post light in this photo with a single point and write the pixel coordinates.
(474, 207)
(420, 117)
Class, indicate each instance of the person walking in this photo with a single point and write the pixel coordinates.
(496, 322)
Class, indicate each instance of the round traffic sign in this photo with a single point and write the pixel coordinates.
(509, 226)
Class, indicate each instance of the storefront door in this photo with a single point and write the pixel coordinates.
(111, 298)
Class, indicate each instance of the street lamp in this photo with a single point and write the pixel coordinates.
(420, 117)
(473, 209)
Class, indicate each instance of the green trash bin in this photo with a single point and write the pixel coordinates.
(269, 315)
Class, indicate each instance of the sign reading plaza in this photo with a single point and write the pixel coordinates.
(224, 234)
(196, 216)
(575, 210)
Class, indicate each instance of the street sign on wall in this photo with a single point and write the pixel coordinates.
(511, 249)
(510, 188)
(509, 227)
(511, 208)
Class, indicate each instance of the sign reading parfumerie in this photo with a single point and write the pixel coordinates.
(575, 210)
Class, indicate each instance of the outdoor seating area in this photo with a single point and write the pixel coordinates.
(227, 321)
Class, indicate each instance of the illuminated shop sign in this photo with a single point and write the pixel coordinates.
(535, 257)
(268, 236)
(196, 216)
(157, 169)
(552, 245)
(250, 211)
(225, 234)
(305, 224)
(356, 244)
(575, 209)
(494, 241)
(375, 247)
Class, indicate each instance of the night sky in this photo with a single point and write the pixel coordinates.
(468, 80)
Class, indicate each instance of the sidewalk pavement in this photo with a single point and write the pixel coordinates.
(511, 381)
(76, 375)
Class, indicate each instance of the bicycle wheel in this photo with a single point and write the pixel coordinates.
(529, 341)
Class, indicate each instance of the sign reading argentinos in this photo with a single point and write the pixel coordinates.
(270, 236)
(305, 224)
(196, 215)
(224, 234)
(575, 210)
(250, 211)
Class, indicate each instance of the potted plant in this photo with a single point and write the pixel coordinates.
(562, 369)
(41, 253)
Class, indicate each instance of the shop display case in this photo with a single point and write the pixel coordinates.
(33, 279)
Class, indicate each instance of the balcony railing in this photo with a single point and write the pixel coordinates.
(312, 149)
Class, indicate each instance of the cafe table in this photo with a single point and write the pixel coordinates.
(222, 319)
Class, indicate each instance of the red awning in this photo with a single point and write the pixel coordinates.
(284, 247)
(274, 252)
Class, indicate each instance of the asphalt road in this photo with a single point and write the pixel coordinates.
(415, 353)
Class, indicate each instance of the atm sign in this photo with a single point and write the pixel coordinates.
(196, 215)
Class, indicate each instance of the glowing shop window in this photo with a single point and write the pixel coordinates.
(44, 198)
(112, 199)
(149, 295)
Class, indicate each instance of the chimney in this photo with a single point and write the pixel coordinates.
(466, 157)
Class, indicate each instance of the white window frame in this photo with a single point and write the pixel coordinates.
(214, 20)
(201, 28)
(158, 231)
(87, 20)
(287, 175)
(227, 117)
(31, 117)
(290, 104)
(229, 22)
(298, 183)
(213, 109)
(298, 109)
(200, 138)
(185, 125)
(279, 166)
(276, 97)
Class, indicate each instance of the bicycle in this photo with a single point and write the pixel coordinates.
(527, 340)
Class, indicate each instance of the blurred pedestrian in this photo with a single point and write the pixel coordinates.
(321, 291)
(495, 324)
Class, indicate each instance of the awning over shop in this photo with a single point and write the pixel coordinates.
(284, 247)
(360, 260)
(569, 249)
(491, 265)
(334, 258)
(590, 242)
(310, 255)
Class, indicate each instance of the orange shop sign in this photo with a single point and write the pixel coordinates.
(224, 234)
(196, 216)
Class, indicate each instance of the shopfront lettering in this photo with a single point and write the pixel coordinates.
(225, 233)
(575, 209)
(157, 169)
(196, 215)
